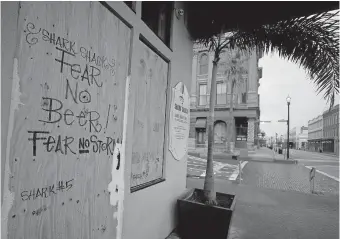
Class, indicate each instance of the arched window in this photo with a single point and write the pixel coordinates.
(220, 131)
(203, 64)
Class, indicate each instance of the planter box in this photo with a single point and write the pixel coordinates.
(199, 221)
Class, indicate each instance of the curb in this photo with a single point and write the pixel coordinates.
(285, 161)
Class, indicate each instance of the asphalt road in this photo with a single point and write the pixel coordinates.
(325, 164)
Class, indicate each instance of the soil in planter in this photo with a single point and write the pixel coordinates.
(222, 200)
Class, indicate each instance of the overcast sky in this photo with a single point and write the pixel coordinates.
(281, 78)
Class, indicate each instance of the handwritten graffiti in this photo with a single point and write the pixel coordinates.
(88, 73)
(97, 146)
(33, 34)
(30, 36)
(100, 61)
(84, 96)
(56, 113)
(68, 144)
(48, 191)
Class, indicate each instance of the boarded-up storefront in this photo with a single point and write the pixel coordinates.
(86, 112)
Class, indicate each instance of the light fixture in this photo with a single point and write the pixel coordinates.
(179, 13)
(288, 99)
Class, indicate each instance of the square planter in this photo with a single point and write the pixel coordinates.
(200, 221)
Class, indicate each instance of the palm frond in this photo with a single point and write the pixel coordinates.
(312, 42)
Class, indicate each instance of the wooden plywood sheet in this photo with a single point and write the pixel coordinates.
(71, 65)
(149, 118)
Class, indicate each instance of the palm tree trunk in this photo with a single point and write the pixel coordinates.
(231, 120)
(209, 191)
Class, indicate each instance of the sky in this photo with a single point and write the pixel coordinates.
(281, 78)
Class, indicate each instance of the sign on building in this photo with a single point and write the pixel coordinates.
(179, 121)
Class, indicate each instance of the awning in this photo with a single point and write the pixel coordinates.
(201, 123)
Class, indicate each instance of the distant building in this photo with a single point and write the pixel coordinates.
(315, 134)
(331, 130)
(293, 137)
(302, 138)
(246, 100)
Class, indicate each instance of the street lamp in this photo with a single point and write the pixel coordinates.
(288, 99)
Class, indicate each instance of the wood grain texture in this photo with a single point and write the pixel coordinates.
(72, 64)
(149, 118)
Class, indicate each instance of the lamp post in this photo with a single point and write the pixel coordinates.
(288, 103)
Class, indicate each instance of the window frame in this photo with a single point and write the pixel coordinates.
(226, 93)
(169, 23)
(199, 94)
(200, 66)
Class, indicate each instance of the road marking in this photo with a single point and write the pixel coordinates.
(323, 173)
(323, 166)
(217, 167)
(317, 161)
(236, 172)
(198, 165)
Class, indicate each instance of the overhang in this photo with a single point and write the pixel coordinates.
(206, 18)
(201, 123)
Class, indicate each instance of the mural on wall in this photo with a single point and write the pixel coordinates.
(149, 119)
(70, 70)
(179, 121)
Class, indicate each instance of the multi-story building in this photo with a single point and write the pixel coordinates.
(293, 136)
(302, 138)
(246, 112)
(315, 134)
(331, 130)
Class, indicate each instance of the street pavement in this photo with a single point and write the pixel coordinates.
(273, 214)
(327, 165)
(261, 170)
(292, 177)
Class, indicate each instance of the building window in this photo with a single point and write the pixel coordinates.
(157, 15)
(221, 68)
(200, 137)
(244, 97)
(203, 69)
(220, 130)
(203, 94)
(221, 93)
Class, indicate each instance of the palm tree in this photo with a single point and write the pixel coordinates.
(312, 42)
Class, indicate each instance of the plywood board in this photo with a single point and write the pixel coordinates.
(149, 118)
(71, 66)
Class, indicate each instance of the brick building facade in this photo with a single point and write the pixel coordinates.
(331, 130)
(246, 100)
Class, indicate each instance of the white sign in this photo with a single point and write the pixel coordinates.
(179, 121)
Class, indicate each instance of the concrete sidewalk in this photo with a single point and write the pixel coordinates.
(269, 214)
(289, 177)
(259, 155)
(332, 155)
